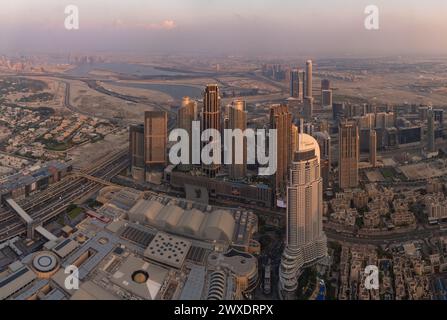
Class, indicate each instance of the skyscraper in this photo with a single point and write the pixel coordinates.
(186, 115)
(281, 120)
(295, 85)
(373, 148)
(384, 120)
(155, 139)
(211, 119)
(439, 116)
(306, 242)
(324, 142)
(326, 98)
(325, 84)
(136, 151)
(348, 160)
(237, 119)
(430, 130)
(308, 108)
(338, 111)
(294, 140)
(308, 92)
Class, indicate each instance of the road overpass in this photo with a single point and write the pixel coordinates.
(29, 222)
(53, 201)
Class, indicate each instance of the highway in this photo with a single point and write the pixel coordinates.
(172, 116)
(386, 239)
(49, 203)
(374, 239)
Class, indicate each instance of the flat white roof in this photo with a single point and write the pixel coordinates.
(45, 233)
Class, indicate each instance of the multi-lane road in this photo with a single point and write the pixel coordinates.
(53, 201)
(385, 239)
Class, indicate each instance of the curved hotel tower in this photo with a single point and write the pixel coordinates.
(306, 241)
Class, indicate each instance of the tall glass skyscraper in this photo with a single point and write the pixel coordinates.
(295, 85)
(430, 130)
(211, 119)
(308, 82)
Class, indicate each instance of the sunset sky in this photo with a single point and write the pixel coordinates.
(254, 27)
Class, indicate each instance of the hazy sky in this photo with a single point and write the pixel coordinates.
(255, 27)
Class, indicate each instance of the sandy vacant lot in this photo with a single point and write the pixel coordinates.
(94, 103)
(393, 88)
(85, 155)
(422, 171)
(374, 176)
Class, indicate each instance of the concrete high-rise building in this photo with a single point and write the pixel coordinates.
(294, 140)
(136, 151)
(191, 106)
(325, 84)
(355, 110)
(306, 242)
(367, 121)
(430, 130)
(338, 111)
(324, 142)
(295, 85)
(323, 125)
(326, 98)
(309, 88)
(186, 115)
(373, 148)
(281, 120)
(308, 108)
(423, 110)
(308, 128)
(384, 120)
(155, 139)
(348, 160)
(302, 77)
(237, 119)
(211, 119)
(439, 116)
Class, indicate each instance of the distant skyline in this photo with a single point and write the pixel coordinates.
(247, 27)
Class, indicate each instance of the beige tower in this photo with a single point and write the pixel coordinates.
(136, 150)
(309, 71)
(155, 138)
(348, 160)
(306, 242)
(186, 115)
(281, 120)
(324, 142)
(237, 119)
(294, 141)
(308, 108)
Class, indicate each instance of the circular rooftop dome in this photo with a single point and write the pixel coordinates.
(45, 263)
(308, 143)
